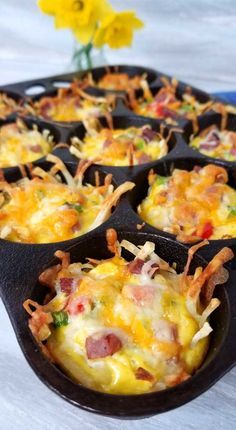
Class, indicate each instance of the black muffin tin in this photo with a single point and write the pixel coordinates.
(21, 264)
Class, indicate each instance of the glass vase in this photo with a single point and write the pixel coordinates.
(85, 57)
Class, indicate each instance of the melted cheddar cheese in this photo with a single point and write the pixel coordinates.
(167, 105)
(45, 210)
(126, 327)
(20, 145)
(119, 82)
(216, 143)
(69, 104)
(148, 315)
(115, 81)
(121, 147)
(197, 204)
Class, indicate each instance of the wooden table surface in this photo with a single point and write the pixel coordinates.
(193, 39)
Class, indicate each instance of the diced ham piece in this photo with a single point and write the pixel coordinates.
(150, 268)
(136, 266)
(165, 331)
(233, 152)
(76, 227)
(143, 374)
(66, 285)
(140, 294)
(77, 305)
(100, 345)
(107, 143)
(164, 97)
(144, 158)
(36, 148)
(197, 169)
(148, 134)
(211, 142)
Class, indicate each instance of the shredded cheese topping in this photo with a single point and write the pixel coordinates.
(125, 327)
(20, 145)
(120, 147)
(216, 143)
(192, 205)
(44, 209)
(70, 104)
(116, 81)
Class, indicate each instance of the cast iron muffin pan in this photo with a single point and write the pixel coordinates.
(29, 260)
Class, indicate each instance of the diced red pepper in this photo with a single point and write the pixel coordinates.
(164, 112)
(77, 305)
(207, 230)
(80, 308)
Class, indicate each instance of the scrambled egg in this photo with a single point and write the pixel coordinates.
(20, 145)
(196, 203)
(42, 212)
(149, 316)
(121, 147)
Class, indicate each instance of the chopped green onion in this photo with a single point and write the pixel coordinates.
(161, 180)
(140, 144)
(76, 206)
(60, 318)
(187, 108)
(232, 211)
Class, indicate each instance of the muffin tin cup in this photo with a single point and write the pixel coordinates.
(220, 358)
(123, 122)
(205, 121)
(180, 122)
(56, 132)
(184, 159)
(131, 71)
(42, 252)
(20, 264)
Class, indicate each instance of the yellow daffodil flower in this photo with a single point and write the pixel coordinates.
(116, 29)
(81, 16)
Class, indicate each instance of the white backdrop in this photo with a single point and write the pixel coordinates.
(196, 41)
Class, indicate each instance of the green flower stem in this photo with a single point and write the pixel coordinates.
(88, 51)
(83, 57)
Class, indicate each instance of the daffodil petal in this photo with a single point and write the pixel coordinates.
(84, 34)
(116, 29)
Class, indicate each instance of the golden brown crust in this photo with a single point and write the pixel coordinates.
(111, 237)
(212, 268)
(64, 257)
(49, 276)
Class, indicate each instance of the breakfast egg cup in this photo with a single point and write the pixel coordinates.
(56, 134)
(221, 356)
(222, 121)
(99, 73)
(29, 260)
